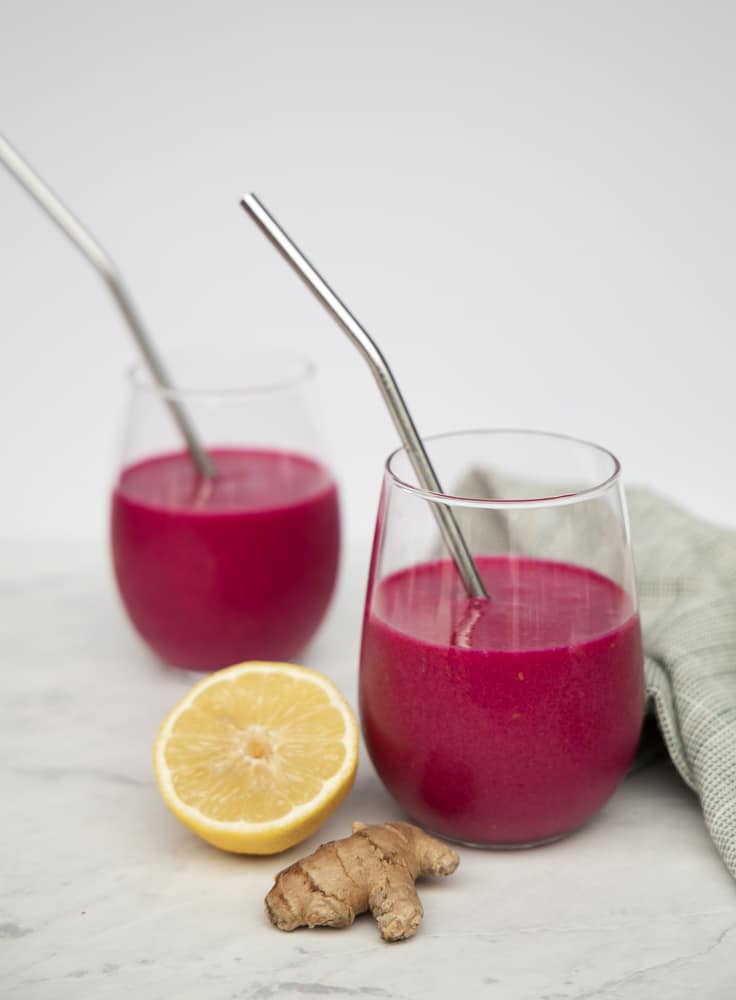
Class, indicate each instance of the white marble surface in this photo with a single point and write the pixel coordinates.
(103, 893)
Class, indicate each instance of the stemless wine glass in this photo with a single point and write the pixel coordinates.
(504, 722)
(242, 566)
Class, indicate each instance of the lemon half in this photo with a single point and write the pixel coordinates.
(255, 757)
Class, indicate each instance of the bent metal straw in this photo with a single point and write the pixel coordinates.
(415, 449)
(104, 264)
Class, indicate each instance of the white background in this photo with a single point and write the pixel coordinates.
(530, 205)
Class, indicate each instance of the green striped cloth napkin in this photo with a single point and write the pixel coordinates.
(686, 570)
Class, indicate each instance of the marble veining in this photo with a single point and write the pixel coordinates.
(304, 989)
(103, 894)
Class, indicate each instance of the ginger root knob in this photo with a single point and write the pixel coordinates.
(374, 870)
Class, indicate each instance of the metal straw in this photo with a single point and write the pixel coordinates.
(101, 260)
(387, 384)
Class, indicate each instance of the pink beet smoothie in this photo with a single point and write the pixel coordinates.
(503, 722)
(242, 567)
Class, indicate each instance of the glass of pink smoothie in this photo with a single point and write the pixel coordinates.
(242, 566)
(507, 722)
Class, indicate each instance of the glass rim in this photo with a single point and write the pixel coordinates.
(140, 377)
(496, 503)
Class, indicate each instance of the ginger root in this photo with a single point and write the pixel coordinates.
(373, 870)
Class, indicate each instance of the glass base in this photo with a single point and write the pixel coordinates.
(185, 673)
(524, 846)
